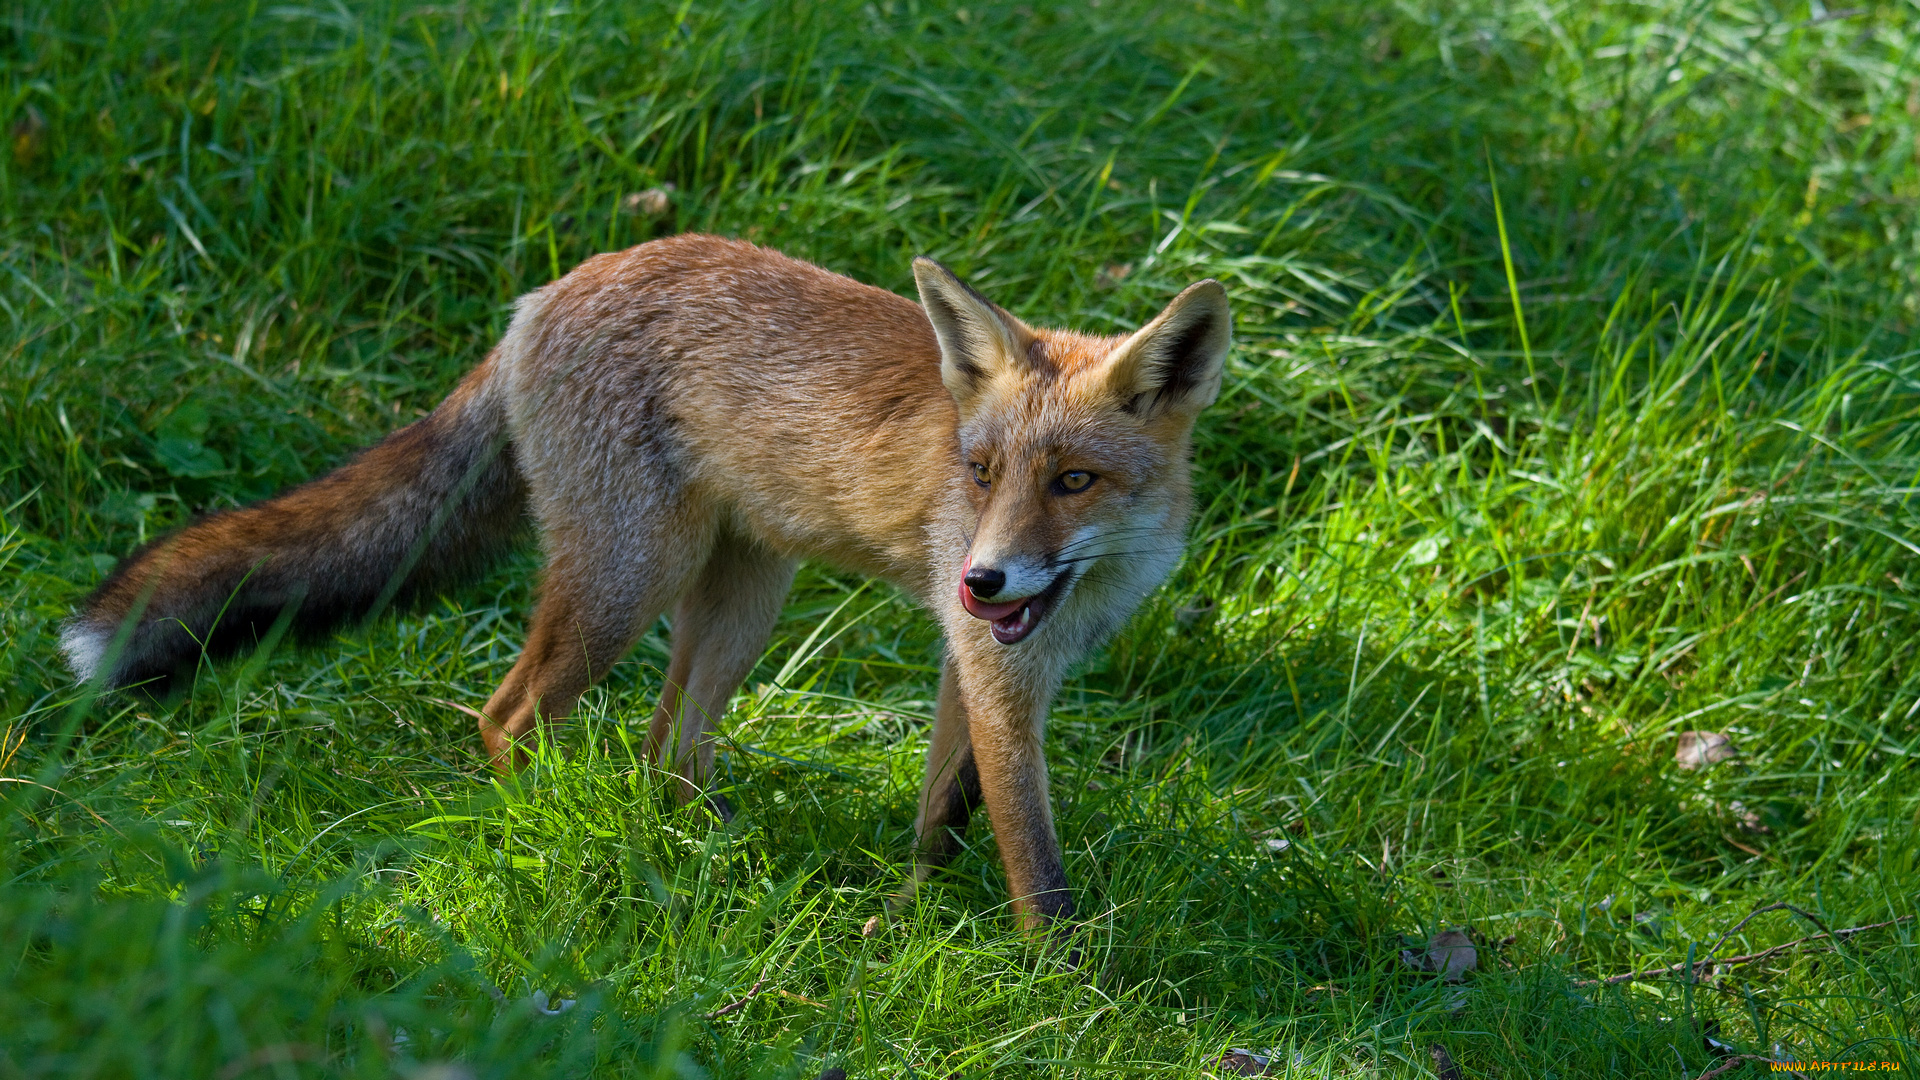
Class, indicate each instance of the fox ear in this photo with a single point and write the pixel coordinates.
(1176, 360)
(978, 340)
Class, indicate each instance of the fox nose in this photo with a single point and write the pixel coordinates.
(982, 582)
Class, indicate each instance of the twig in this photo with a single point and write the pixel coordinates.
(736, 1006)
(1707, 965)
(1759, 911)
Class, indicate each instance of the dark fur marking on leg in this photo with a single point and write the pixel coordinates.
(1055, 901)
(965, 795)
(945, 832)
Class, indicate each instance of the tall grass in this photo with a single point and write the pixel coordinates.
(1574, 408)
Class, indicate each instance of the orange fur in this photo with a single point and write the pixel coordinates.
(688, 419)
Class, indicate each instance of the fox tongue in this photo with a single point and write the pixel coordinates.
(980, 609)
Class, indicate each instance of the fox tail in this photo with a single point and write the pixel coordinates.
(426, 507)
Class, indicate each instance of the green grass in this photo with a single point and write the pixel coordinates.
(1575, 406)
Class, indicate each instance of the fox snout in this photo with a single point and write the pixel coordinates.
(1000, 579)
(983, 583)
(1012, 604)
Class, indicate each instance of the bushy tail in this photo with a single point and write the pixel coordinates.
(425, 507)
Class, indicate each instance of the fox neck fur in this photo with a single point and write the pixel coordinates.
(685, 421)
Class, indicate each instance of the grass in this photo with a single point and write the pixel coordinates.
(1574, 407)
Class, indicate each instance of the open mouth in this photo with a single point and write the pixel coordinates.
(1011, 620)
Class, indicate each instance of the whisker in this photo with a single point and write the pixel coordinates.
(1130, 530)
(1117, 534)
(1106, 554)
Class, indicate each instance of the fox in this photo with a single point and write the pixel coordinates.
(683, 423)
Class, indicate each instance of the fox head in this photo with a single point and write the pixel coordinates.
(1073, 448)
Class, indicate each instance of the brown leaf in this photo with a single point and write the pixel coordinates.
(1237, 1062)
(1443, 1063)
(1699, 749)
(1452, 952)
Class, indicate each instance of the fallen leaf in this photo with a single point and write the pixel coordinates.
(1748, 820)
(1699, 749)
(1443, 1063)
(1237, 1062)
(653, 202)
(1450, 953)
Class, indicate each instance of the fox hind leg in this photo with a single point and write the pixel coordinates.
(599, 593)
(720, 629)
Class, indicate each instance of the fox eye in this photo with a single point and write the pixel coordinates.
(980, 475)
(1075, 481)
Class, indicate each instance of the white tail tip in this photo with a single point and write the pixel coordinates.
(85, 646)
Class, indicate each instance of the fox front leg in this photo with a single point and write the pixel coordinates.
(1005, 726)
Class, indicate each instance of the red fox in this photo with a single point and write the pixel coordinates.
(688, 419)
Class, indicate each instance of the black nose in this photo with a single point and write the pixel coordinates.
(983, 582)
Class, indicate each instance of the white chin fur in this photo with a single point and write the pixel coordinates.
(84, 647)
